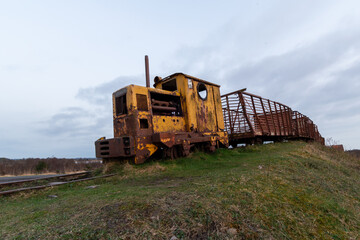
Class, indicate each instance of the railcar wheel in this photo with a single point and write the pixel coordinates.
(258, 141)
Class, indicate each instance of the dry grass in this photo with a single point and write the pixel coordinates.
(153, 168)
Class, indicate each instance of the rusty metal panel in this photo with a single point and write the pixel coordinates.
(168, 124)
(166, 138)
(218, 109)
(205, 107)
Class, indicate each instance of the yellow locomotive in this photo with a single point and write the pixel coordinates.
(180, 112)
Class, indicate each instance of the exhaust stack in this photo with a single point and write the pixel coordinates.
(147, 74)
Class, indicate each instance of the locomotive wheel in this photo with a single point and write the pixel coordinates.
(184, 150)
(171, 153)
(212, 148)
(165, 153)
(200, 147)
(208, 147)
(174, 152)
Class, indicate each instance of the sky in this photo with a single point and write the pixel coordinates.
(60, 61)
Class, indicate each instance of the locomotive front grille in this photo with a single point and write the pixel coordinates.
(114, 147)
(104, 148)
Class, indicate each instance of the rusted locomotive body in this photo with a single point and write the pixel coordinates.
(180, 112)
(252, 119)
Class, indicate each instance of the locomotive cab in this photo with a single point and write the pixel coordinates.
(180, 112)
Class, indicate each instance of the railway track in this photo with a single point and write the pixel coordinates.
(5, 188)
(19, 182)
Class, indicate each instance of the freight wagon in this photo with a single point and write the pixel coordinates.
(251, 119)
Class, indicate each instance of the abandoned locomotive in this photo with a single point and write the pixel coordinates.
(180, 112)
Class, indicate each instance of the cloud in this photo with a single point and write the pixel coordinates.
(75, 128)
(72, 131)
(68, 122)
(305, 70)
(101, 94)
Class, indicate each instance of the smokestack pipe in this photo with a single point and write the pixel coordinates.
(147, 71)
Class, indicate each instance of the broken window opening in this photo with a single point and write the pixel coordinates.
(120, 105)
(202, 91)
(170, 85)
(141, 100)
(166, 105)
(144, 123)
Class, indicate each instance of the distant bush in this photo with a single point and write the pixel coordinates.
(40, 166)
(47, 165)
(354, 152)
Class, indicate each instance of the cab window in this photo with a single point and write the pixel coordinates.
(170, 85)
(120, 105)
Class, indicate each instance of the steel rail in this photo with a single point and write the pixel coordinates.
(8, 192)
(42, 178)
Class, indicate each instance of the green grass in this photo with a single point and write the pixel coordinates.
(276, 191)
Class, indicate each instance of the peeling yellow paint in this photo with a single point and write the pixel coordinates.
(168, 124)
(152, 148)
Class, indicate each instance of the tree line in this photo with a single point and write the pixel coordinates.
(46, 165)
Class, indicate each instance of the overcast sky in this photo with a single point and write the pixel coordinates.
(61, 60)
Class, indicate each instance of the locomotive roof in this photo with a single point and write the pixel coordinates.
(188, 76)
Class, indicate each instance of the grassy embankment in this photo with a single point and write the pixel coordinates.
(277, 191)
